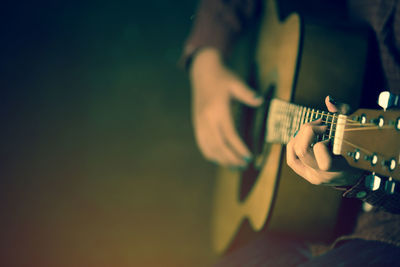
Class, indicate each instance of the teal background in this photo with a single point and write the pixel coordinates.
(99, 166)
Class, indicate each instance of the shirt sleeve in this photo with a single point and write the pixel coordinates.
(384, 19)
(377, 191)
(217, 24)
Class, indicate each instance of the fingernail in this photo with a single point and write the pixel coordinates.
(257, 95)
(214, 162)
(237, 168)
(242, 168)
(232, 169)
(332, 100)
(247, 159)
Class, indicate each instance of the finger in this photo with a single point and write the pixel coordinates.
(233, 139)
(304, 140)
(335, 107)
(212, 141)
(326, 160)
(245, 95)
(221, 151)
(323, 155)
(293, 161)
(227, 156)
(306, 172)
(331, 104)
(206, 144)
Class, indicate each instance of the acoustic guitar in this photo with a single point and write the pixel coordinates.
(295, 61)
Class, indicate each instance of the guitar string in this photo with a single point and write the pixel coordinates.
(297, 110)
(328, 115)
(356, 146)
(369, 128)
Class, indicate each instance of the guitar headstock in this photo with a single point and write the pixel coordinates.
(370, 140)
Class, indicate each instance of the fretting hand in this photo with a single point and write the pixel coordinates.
(315, 162)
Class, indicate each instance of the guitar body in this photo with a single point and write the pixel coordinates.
(300, 63)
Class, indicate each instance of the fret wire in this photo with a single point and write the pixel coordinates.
(301, 118)
(292, 122)
(347, 120)
(291, 117)
(331, 132)
(297, 112)
(285, 125)
(280, 125)
(327, 121)
(331, 127)
(322, 120)
(301, 114)
(304, 116)
(281, 120)
(295, 121)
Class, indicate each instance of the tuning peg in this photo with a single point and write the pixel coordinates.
(390, 164)
(373, 159)
(388, 100)
(373, 182)
(391, 186)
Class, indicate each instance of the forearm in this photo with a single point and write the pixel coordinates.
(217, 24)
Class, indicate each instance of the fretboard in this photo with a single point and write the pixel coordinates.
(284, 119)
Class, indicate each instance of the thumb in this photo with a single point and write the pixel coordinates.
(244, 94)
(333, 106)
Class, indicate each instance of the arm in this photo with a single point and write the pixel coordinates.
(218, 23)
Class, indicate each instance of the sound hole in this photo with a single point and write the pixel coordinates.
(254, 136)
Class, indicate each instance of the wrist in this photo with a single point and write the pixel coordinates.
(206, 58)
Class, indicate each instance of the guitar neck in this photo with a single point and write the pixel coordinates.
(284, 119)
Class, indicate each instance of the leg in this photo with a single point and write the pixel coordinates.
(358, 252)
(269, 250)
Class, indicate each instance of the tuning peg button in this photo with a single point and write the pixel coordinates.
(373, 159)
(373, 182)
(380, 121)
(390, 164)
(388, 100)
(356, 155)
(391, 186)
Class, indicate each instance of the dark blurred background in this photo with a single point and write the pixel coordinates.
(98, 162)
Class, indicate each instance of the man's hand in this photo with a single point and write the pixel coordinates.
(315, 162)
(214, 86)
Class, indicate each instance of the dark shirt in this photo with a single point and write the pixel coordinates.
(219, 23)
